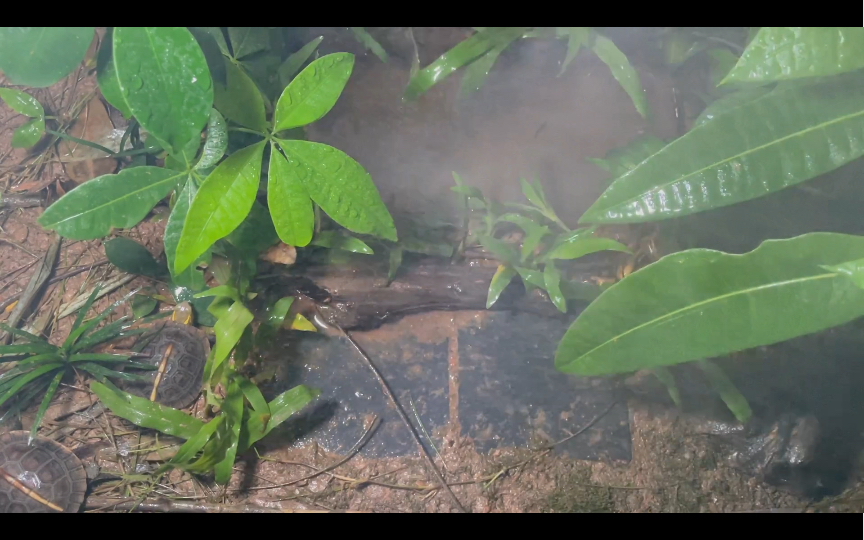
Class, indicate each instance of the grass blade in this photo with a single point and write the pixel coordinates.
(43, 407)
(26, 378)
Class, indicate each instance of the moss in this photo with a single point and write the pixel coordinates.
(576, 495)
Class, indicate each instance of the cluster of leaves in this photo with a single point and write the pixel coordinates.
(479, 52)
(546, 240)
(40, 366)
(796, 112)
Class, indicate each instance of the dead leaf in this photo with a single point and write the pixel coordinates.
(280, 254)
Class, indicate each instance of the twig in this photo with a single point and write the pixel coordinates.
(389, 393)
(423, 429)
(180, 506)
(40, 276)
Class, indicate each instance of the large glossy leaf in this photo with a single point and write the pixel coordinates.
(793, 134)
(164, 77)
(728, 103)
(290, 205)
(478, 70)
(191, 277)
(41, 56)
(240, 100)
(114, 200)
(256, 233)
(106, 75)
(340, 186)
(292, 64)
(782, 53)
(313, 92)
(130, 256)
(246, 40)
(703, 303)
(210, 45)
(145, 413)
(623, 72)
(221, 204)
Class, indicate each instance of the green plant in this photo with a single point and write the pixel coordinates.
(39, 367)
(797, 112)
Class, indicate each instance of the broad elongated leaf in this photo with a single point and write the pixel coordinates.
(282, 407)
(239, 99)
(228, 330)
(577, 36)
(503, 276)
(782, 53)
(313, 92)
(290, 205)
(232, 408)
(22, 102)
(340, 186)
(366, 39)
(277, 312)
(292, 64)
(216, 143)
(478, 70)
(623, 72)
(148, 414)
(552, 282)
(164, 77)
(709, 303)
(119, 200)
(130, 256)
(728, 103)
(793, 134)
(106, 76)
(583, 245)
(191, 277)
(221, 204)
(41, 56)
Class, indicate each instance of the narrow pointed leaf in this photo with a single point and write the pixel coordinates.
(277, 312)
(254, 397)
(26, 378)
(21, 333)
(793, 134)
(239, 99)
(35, 347)
(148, 414)
(191, 277)
(119, 200)
(43, 407)
(247, 40)
(293, 63)
(665, 376)
(282, 407)
(340, 186)
(232, 407)
(313, 92)
(106, 76)
(193, 445)
(478, 70)
(584, 245)
(730, 395)
(221, 204)
(76, 326)
(366, 39)
(709, 303)
(290, 205)
(623, 72)
(552, 282)
(500, 280)
(782, 53)
(577, 36)
(41, 56)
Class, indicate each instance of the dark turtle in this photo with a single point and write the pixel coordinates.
(187, 349)
(45, 468)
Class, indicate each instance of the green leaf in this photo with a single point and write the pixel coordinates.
(531, 277)
(191, 278)
(500, 280)
(577, 36)
(28, 133)
(313, 92)
(22, 102)
(130, 256)
(212, 48)
(216, 143)
(247, 40)
(191, 447)
(627, 157)
(583, 245)
(292, 64)
(256, 233)
(334, 240)
(148, 414)
(228, 330)
(164, 77)
(505, 251)
(282, 407)
(240, 100)
(532, 195)
(119, 200)
(365, 39)
(623, 72)
(35, 347)
(854, 270)
(222, 202)
(290, 205)
(277, 312)
(254, 397)
(106, 76)
(783, 53)
(219, 37)
(468, 191)
(665, 376)
(722, 61)
(477, 71)
(232, 407)
(41, 56)
(340, 186)
(21, 333)
(730, 102)
(76, 326)
(792, 134)
(142, 306)
(221, 291)
(393, 263)
(43, 407)
(709, 303)
(552, 281)
(19, 382)
(730, 395)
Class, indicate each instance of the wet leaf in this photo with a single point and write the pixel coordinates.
(340, 186)
(43, 407)
(729, 102)
(247, 40)
(119, 200)
(22, 102)
(313, 92)
(232, 407)
(709, 168)
(282, 407)
(477, 70)
(577, 36)
(228, 329)
(256, 233)
(222, 202)
(290, 205)
(730, 395)
(500, 280)
(532, 195)
(854, 270)
(193, 445)
(722, 61)
(394, 262)
(240, 100)
(142, 306)
(164, 77)
(19, 382)
(28, 133)
(665, 376)
(623, 72)
(302, 324)
(552, 282)
(212, 48)
(505, 251)
(782, 53)
(148, 414)
(532, 278)
(626, 158)
(334, 240)
(106, 76)
(293, 63)
(254, 397)
(216, 143)
(583, 245)
(191, 277)
(277, 312)
(130, 256)
(365, 39)
(41, 56)
(709, 303)
(221, 291)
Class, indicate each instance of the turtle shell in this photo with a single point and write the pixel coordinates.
(46, 467)
(187, 349)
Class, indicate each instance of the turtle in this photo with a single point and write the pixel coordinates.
(184, 350)
(42, 476)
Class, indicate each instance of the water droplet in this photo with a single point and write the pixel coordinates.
(135, 83)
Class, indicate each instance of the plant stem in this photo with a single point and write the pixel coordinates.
(101, 148)
(246, 130)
